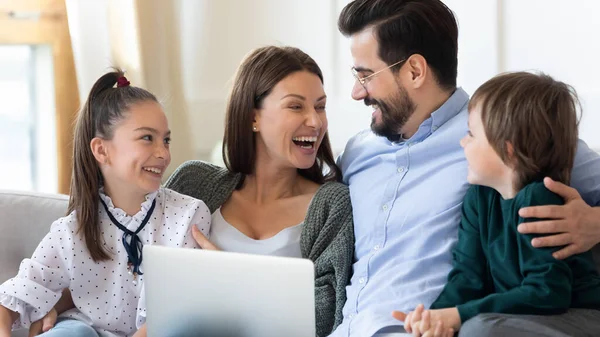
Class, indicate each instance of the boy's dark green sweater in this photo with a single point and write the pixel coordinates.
(496, 269)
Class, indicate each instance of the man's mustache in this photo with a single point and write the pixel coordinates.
(369, 101)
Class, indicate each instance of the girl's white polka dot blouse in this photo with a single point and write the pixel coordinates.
(103, 292)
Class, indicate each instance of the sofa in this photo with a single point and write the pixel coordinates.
(25, 218)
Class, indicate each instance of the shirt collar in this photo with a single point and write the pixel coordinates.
(131, 222)
(455, 104)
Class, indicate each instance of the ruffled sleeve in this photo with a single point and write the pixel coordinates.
(41, 279)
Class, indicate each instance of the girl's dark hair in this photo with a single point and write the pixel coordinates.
(258, 74)
(104, 108)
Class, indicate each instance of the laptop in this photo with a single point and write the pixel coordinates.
(194, 292)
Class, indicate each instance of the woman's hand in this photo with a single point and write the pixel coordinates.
(201, 240)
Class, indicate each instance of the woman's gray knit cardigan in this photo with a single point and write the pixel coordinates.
(327, 235)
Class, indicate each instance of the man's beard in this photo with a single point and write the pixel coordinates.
(395, 111)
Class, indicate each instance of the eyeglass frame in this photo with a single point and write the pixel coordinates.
(363, 80)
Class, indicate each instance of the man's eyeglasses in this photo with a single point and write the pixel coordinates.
(363, 80)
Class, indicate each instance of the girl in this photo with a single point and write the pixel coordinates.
(121, 149)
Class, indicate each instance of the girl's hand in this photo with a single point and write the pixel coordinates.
(202, 241)
(141, 332)
(43, 325)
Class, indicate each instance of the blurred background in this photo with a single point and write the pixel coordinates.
(187, 51)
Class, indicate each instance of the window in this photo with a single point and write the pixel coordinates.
(27, 119)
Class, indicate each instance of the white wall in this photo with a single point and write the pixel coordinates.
(494, 36)
(561, 39)
(217, 34)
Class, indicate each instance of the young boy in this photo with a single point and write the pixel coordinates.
(522, 128)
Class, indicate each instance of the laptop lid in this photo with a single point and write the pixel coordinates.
(193, 292)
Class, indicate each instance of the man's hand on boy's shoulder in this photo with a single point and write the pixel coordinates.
(575, 224)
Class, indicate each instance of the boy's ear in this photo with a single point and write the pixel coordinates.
(510, 152)
(99, 150)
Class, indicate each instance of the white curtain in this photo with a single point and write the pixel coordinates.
(141, 37)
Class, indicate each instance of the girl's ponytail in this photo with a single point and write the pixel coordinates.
(103, 109)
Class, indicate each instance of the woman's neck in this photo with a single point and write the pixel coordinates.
(269, 183)
(129, 201)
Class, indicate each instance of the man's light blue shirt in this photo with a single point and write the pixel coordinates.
(407, 198)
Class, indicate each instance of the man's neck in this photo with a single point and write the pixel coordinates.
(426, 104)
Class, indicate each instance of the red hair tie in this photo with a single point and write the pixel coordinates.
(122, 82)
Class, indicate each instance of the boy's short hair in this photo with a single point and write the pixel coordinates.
(538, 116)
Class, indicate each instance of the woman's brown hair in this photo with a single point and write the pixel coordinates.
(537, 115)
(258, 74)
(105, 107)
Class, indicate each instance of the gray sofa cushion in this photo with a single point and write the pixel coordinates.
(25, 218)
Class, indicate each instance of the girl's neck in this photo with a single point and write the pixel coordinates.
(129, 201)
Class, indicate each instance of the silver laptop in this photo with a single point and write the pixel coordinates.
(219, 294)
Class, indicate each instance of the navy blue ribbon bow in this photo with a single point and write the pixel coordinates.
(135, 245)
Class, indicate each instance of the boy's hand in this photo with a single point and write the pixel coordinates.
(411, 319)
(430, 323)
(438, 323)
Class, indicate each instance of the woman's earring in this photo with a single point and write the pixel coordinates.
(254, 128)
